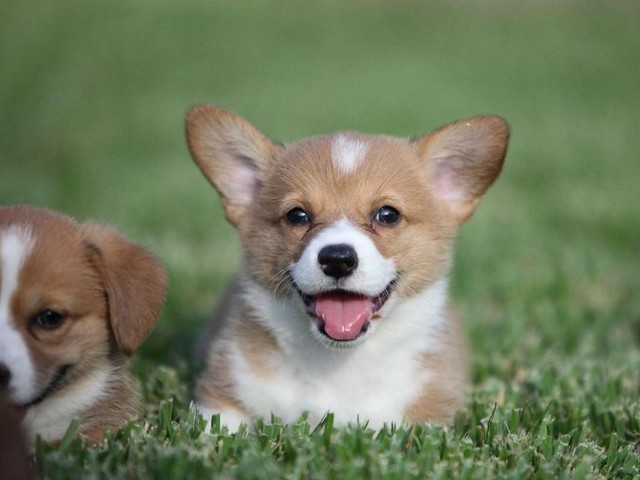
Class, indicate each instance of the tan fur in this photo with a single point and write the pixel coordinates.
(133, 280)
(234, 138)
(111, 412)
(445, 393)
(216, 386)
(435, 181)
(258, 346)
(110, 292)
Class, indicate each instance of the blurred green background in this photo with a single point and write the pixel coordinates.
(93, 96)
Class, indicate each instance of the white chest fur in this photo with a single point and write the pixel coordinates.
(373, 382)
(52, 417)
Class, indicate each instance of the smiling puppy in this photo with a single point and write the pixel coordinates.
(75, 302)
(341, 301)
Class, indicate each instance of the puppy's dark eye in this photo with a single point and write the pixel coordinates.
(297, 217)
(387, 215)
(48, 319)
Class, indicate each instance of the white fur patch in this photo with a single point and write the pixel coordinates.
(347, 153)
(52, 417)
(374, 382)
(371, 277)
(15, 246)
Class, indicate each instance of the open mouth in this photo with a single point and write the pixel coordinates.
(342, 315)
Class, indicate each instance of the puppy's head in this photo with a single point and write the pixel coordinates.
(70, 296)
(347, 224)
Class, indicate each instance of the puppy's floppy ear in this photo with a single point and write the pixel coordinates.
(463, 159)
(231, 153)
(134, 281)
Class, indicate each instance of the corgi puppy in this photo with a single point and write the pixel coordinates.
(76, 300)
(341, 301)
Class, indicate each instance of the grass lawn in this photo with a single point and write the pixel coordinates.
(92, 101)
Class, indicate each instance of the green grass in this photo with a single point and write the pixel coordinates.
(547, 279)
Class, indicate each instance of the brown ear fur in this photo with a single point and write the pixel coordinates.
(464, 158)
(231, 153)
(134, 281)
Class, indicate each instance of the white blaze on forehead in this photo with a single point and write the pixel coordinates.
(347, 153)
(371, 277)
(15, 246)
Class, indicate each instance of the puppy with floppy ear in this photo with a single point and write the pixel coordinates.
(341, 300)
(134, 283)
(76, 300)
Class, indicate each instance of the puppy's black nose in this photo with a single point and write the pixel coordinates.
(338, 261)
(5, 376)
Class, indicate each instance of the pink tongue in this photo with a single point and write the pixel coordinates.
(344, 314)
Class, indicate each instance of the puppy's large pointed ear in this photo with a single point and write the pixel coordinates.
(463, 160)
(134, 281)
(231, 153)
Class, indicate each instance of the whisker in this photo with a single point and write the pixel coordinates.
(280, 282)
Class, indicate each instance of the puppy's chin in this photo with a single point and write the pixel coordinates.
(318, 332)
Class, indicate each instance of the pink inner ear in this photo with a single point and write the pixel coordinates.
(241, 184)
(448, 185)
